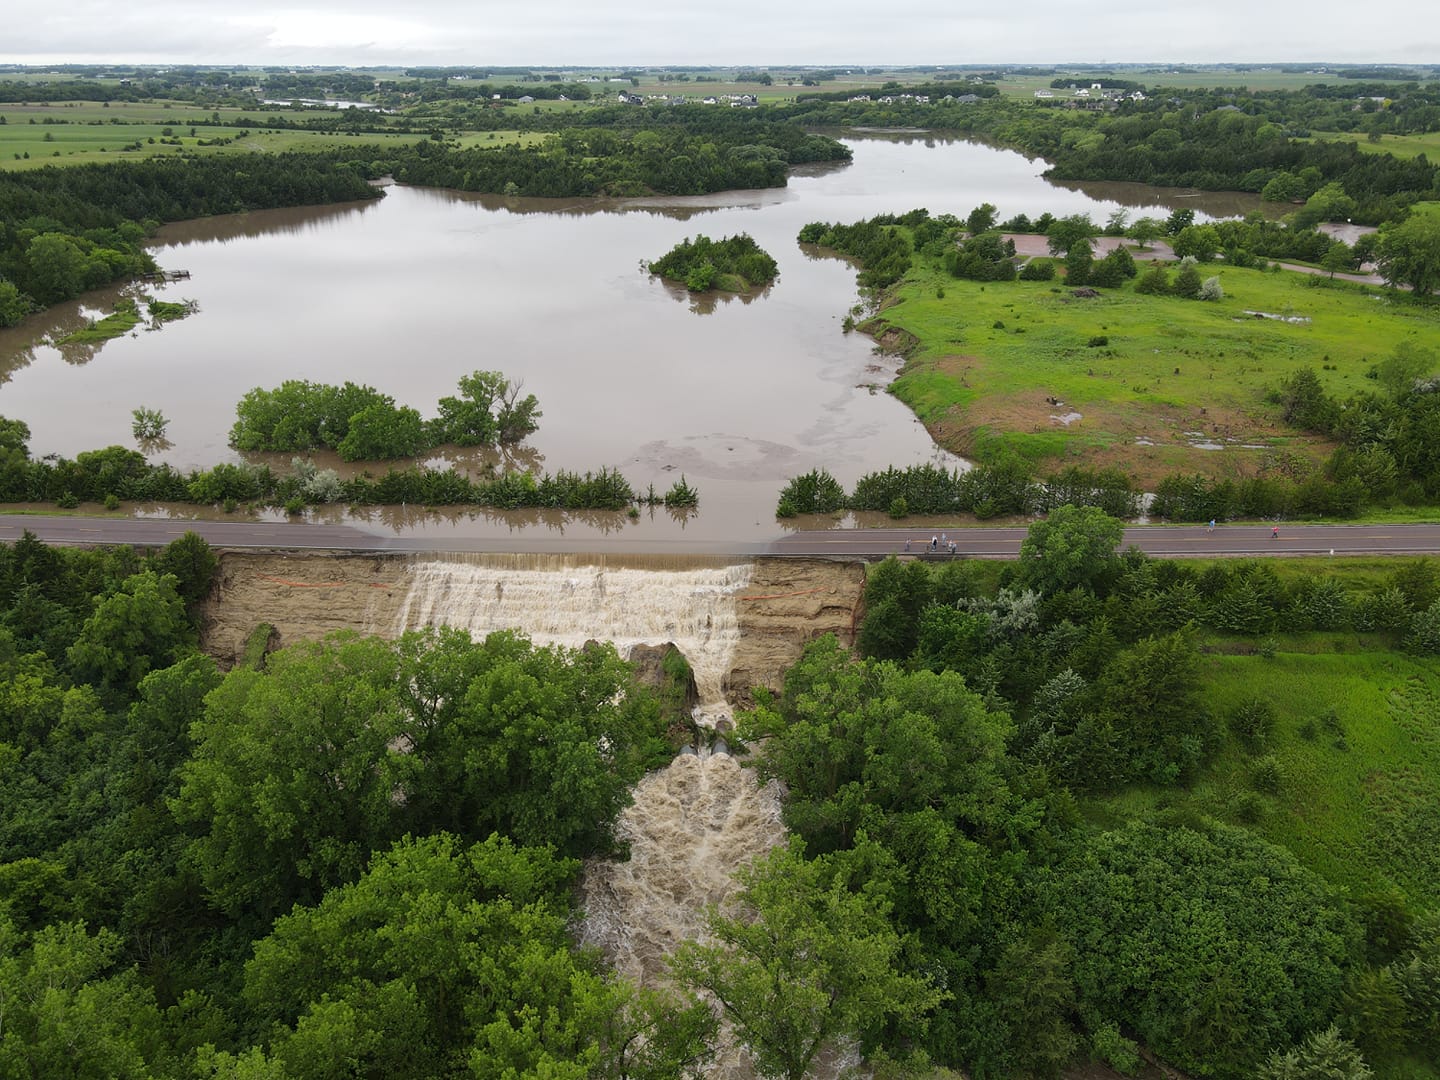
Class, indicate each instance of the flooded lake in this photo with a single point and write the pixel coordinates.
(409, 292)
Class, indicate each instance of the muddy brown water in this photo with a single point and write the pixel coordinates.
(409, 292)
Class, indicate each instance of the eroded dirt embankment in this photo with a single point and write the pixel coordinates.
(306, 596)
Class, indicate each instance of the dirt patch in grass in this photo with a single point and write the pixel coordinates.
(1149, 439)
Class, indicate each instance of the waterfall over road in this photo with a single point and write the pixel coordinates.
(568, 600)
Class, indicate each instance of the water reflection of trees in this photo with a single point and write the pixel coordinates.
(405, 519)
(705, 303)
(289, 221)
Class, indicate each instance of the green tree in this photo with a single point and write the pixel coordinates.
(66, 1014)
(1073, 546)
(1070, 233)
(193, 563)
(1211, 945)
(1145, 231)
(1324, 1055)
(442, 956)
(139, 627)
(981, 219)
(295, 773)
(1409, 253)
(811, 961)
(1201, 242)
(57, 268)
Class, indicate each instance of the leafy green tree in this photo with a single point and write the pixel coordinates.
(1072, 546)
(1070, 233)
(139, 627)
(1145, 231)
(1152, 692)
(66, 1014)
(1201, 242)
(1324, 1055)
(1409, 253)
(442, 956)
(981, 219)
(193, 563)
(1031, 989)
(14, 305)
(1211, 946)
(895, 594)
(811, 961)
(381, 432)
(541, 744)
(57, 268)
(295, 773)
(846, 737)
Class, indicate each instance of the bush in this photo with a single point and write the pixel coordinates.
(1210, 289)
(1038, 270)
(1098, 341)
(1154, 282)
(817, 492)
(899, 508)
(1252, 722)
(1187, 283)
(1266, 775)
(682, 496)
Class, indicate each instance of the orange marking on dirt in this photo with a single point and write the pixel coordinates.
(782, 595)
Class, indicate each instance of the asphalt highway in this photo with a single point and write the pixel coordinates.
(973, 542)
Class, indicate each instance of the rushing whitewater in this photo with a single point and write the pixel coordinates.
(693, 823)
(569, 600)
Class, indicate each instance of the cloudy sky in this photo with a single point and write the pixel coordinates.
(576, 32)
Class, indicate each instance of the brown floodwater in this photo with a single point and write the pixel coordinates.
(409, 292)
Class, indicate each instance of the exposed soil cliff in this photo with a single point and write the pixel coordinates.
(306, 596)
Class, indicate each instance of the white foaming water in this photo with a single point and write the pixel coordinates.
(567, 600)
(693, 823)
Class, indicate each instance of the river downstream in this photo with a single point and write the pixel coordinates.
(409, 292)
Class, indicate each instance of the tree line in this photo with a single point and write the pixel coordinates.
(117, 474)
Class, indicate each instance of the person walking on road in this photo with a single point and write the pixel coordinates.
(1275, 532)
(1212, 526)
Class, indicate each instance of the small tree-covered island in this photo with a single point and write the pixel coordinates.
(732, 264)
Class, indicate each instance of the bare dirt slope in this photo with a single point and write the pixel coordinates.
(306, 596)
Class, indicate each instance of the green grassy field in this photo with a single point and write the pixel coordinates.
(1402, 146)
(1173, 379)
(83, 132)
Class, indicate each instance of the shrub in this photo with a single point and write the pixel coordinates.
(1252, 722)
(1424, 635)
(899, 508)
(1038, 270)
(1266, 775)
(682, 496)
(1154, 282)
(1187, 283)
(817, 492)
(1098, 341)
(1210, 289)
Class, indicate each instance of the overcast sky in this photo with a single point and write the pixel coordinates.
(579, 32)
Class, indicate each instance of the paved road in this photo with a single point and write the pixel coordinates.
(996, 543)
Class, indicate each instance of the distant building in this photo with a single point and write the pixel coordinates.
(525, 99)
(1044, 94)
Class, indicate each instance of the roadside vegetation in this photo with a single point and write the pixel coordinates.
(117, 474)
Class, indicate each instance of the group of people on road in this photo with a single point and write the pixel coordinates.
(937, 544)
